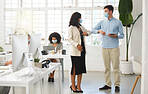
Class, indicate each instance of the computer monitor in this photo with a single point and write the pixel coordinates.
(35, 45)
(19, 49)
(48, 48)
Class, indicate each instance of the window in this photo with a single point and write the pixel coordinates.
(113, 2)
(10, 20)
(54, 3)
(85, 3)
(39, 22)
(69, 3)
(26, 3)
(54, 21)
(11, 4)
(98, 3)
(66, 18)
(47, 16)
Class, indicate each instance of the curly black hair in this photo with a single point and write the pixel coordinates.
(74, 20)
(56, 35)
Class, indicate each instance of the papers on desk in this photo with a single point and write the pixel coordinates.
(5, 67)
(4, 72)
(2, 53)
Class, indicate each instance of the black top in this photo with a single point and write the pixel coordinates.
(81, 34)
(82, 41)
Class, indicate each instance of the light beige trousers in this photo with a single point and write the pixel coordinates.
(111, 55)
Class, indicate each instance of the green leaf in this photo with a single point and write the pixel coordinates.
(125, 9)
(125, 6)
(1, 49)
(36, 59)
(126, 19)
(137, 18)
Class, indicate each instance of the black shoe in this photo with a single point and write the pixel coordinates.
(52, 79)
(80, 90)
(73, 90)
(117, 89)
(105, 88)
(76, 87)
(49, 79)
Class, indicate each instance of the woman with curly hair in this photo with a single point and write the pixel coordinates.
(55, 41)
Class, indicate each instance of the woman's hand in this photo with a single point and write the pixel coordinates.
(80, 48)
(85, 34)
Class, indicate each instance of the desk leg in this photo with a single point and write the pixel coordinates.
(27, 89)
(69, 76)
(70, 71)
(60, 82)
(13, 90)
(62, 63)
(41, 86)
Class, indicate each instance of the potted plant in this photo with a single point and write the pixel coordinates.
(125, 9)
(37, 63)
(36, 60)
(1, 49)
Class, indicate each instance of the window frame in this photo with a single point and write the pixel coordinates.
(62, 8)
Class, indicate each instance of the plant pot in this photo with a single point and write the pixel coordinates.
(126, 67)
(37, 64)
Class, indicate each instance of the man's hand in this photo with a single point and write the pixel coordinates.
(80, 48)
(113, 35)
(103, 33)
(85, 34)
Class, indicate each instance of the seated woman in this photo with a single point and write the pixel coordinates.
(55, 41)
(4, 89)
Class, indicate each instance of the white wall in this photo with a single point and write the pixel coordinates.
(144, 84)
(94, 61)
(1, 23)
(136, 40)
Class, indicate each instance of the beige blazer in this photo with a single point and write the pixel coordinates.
(74, 39)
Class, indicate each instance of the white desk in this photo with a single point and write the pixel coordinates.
(4, 72)
(19, 79)
(57, 56)
(5, 56)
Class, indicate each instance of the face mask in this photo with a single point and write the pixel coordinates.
(106, 15)
(54, 41)
(81, 20)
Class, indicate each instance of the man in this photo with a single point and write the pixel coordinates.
(4, 89)
(111, 30)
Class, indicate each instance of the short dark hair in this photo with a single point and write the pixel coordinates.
(74, 20)
(56, 35)
(109, 7)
